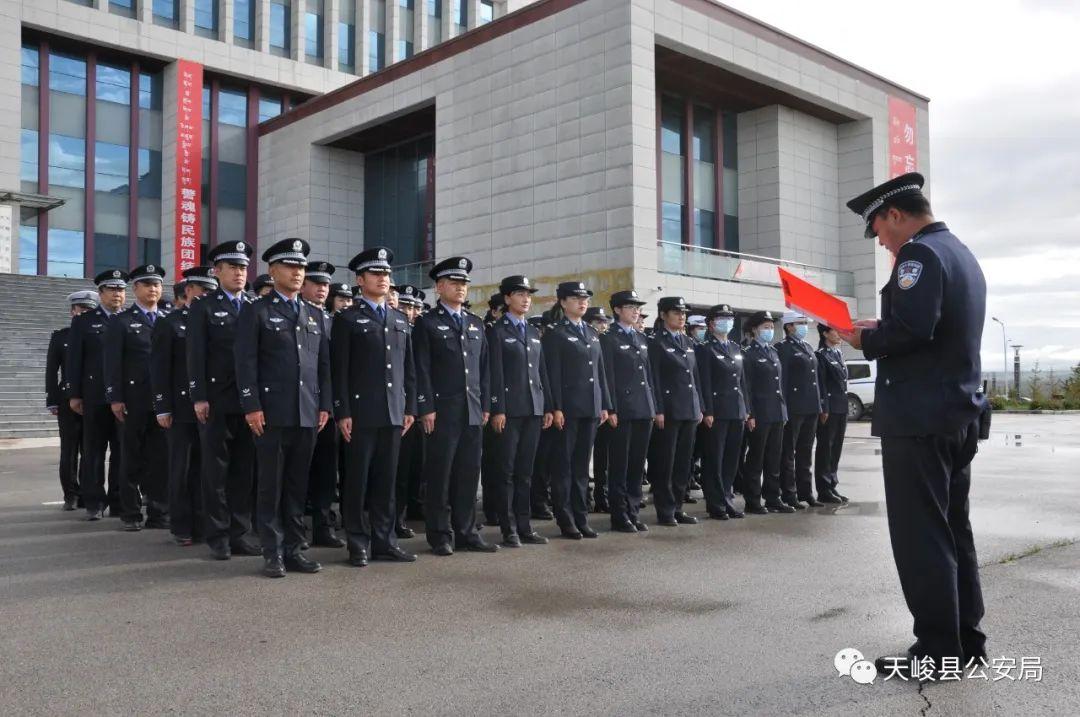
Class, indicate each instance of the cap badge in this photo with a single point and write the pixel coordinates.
(116, 273)
(297, 245)
(150, 268)
(463, 263)
(580, 285)
(382, 253)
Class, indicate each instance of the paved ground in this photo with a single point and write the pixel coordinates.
(738, 617)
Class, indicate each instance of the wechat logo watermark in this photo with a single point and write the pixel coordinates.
(849, 662)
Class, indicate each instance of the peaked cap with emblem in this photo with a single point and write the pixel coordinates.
(86, 298)
(671, 303)
(518, 282)
(626, 298)
(596, 313)
(341, 289)
(201, 275)
(409, 294)
(153, 273)
(321, 272)
(868, 203)
(456, 268)
(111, 279)
(376, 259)
(572, 288)
(234, 252)
(719, 310)
(291, 251)
(261, 281)
(759, 318)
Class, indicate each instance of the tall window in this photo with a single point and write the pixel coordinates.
(231, 164)
(672, 168)
(405, 29)
(730, 178)
(206, 18)
(167, 13)
(487, 11)
(377, 36)
(461, 16)
(397, 189)
(244, 22)
(122, 7)
(346, 32)
(313, 32)
(28, 169)
(280, 27)
(269, 106)
(434, 29)
(704, 167)
(112, 155)
(148, 222)
(67, 164)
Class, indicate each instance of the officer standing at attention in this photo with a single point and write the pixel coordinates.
(408, 498)
(768, 413)
(803, 396)
(85, 376)
(340, 298)
(633, 401)
(520, 409)
(677, 389)
(833, 374)
(490, 487)
(68, 422)
(580, 402)
(322, 479)
(723, 382)
(128, 393)
(453, 403)
(929, 414)
(263, 285)
(374, 384)
(283, 374)
(225, 444)
(173, 407)
(598, 496)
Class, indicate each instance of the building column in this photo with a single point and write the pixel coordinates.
(187, 16)
(261, 36)
(144, 10)
(296, 10)
(421, 19)
(331, 46)
(393, 34)
(448, 19)
(474, 14)
(10, 144)
(226, 17)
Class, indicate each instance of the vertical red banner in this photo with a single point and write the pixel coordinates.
(903, 145)
(189, 85)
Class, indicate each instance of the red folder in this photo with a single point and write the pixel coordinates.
(821, 306)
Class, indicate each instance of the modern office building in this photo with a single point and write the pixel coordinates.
(676, 146)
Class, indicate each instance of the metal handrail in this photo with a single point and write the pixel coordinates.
(741, 255)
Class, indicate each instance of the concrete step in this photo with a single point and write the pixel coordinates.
(28, 432)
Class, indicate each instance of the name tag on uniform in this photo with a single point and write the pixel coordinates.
(96, 326)
(399, 321)
(136, 326)
(762, 360)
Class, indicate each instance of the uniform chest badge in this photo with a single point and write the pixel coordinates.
(473, 328)
(624, 346)
(276, 319)
(572, 339)
(221, 314)
(363, 321)
(670, 350)
(908, 273)
(535, 341)
(444, 328)
(509, 341)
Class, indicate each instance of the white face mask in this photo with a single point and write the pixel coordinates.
(723, 327)
(766, 335)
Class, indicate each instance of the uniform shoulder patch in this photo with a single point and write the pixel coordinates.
(908, 273)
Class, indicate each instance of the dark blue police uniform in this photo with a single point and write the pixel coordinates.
(833, 374)
(803, 396)
(761, 468)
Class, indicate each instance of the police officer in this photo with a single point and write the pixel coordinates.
(629, 378)
(696, 328)
(803, 396)
(453, 401)
(128, 393)
(677, 389)
(723, 383)
(173, 407)
(263, 285)
(408, 497)
(833, 374)
(491, 488)
(86, 396)
(339, 299)
(283, 375)
(580, 402)
(68, 422)
(520, 409)
(374, 382)
(768, 414)
(598, 496)
(928, 412)
(225, 443)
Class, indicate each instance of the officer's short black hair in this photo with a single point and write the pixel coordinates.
(915, 205)
(179, 289)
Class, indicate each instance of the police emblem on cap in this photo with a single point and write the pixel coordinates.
(463, 263)
(382, 253)
(580, 285)
(239, 246)
(908, 273)
(150, 268)
(633, 294)
(297, 245)
(116, 273)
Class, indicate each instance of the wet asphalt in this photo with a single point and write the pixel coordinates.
(736, 617)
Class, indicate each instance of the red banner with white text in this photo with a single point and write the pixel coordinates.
(903, 144)
(189, 85)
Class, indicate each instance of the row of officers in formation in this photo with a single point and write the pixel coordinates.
(271, 404)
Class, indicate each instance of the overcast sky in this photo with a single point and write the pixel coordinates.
(1003, 78)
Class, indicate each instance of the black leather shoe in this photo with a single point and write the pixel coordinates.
(443, 549)
(779, 508)
(274, 567)
(587, 532)
(718, 515)
(641, 527)
(183, 541)
(69, 504)
(667, 522)
(534, 539)
(757, 509)
(794, 504)
(219, 551)
(829, 497)
(690, 499)
(244, 547)
(158, 522)
(511, 541)
(404, 532)
(843, 498)
(358, 558)
(544, 514)
(623, 526)
(732, 513)
(94, 514)
(685, 519)
(326, 538)
(300, 563)
(396, 554)
(812, 502)
(896, 665)
(130, 526)
(479, 546)
(571, 533)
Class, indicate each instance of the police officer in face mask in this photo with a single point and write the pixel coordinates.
(803, 395)
(768, 414)
(833, 374)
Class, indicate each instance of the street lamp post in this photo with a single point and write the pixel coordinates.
(1004, 356)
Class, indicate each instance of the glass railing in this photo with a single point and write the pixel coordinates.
(674, 258)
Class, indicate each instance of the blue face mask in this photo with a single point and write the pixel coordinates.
(800, 331)
(724, 326)
(766, 335)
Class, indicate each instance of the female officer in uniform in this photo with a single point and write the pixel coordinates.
(832, 372)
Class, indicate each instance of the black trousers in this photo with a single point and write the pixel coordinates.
(927, 480)
(322, 480)
(283, 454)
(761, 471)
(70, 425)
(408, 493)
(99, 433)
(490, 478)
(601, 463)
(142, 443)
(367, 508)
(627, 448)
(514, 454)
(571, 448)
(185, 488)
(830, 443)
(541, 476)
(720, 462)
(671, 453)
(452, 472)
(798, 452)
(228, 468)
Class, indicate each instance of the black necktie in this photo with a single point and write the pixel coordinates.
(236, 303)
(521, 329)
(380, 311)
(151, 317)
(581, 330)
(457, 321)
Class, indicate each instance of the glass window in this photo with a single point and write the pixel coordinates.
(28, 171)
(704, 148)
(232, 164)
(672, 165)
(113, 84)
(405, 29)
(280, 28)
(65, 247)
(28, 245)
(487, 11)
(67, 74)
(206, 18)
(232, 107)
(461, 16)
(396, 189)
(269, 106)
(313, 32)
(122, 7)
(377, 36)
(167, 13)
(346, 32)
(858, 370)
(730, 181)
(28, 138)
(434, 11)
(31, 65)
(149, 169)
(244, 22)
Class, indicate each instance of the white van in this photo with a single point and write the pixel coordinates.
(860, 397)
